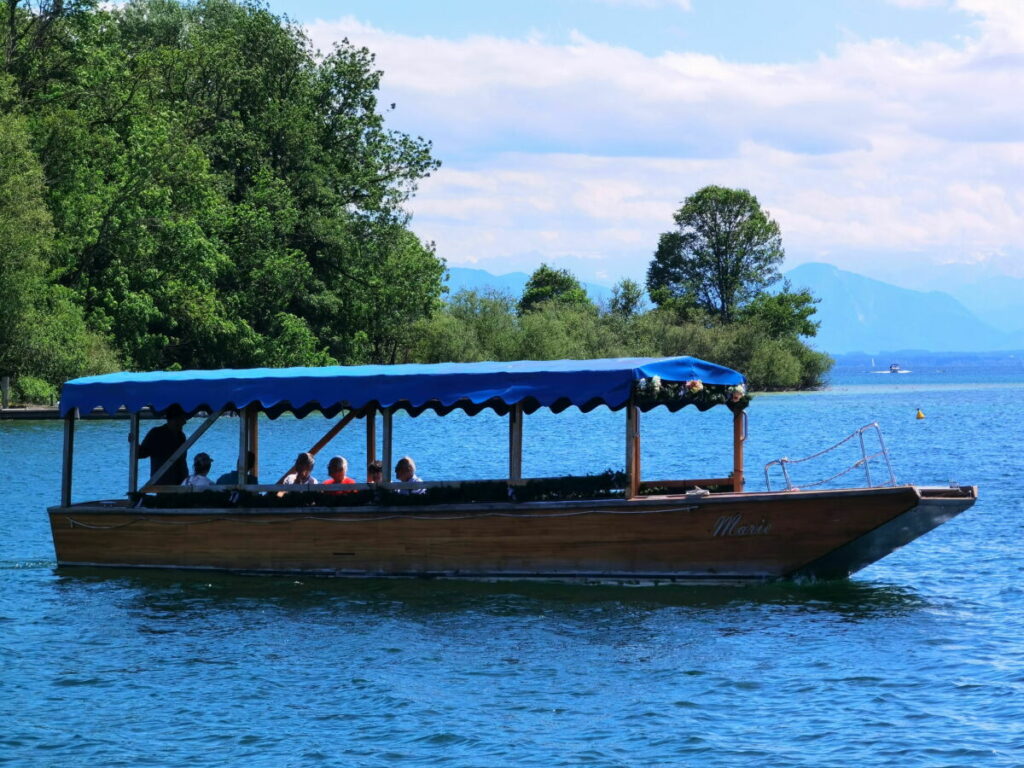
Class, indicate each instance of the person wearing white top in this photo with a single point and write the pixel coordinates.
(201, 465)
(405, 471)
(302, 473)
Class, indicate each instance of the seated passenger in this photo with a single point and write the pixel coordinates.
(375, 472)
(231, 478)
(337, 468)
(201, 468)
(405, 472)
(300, 474)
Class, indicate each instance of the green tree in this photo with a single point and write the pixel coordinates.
(562, 331)
(443, 338)
(548, 284)
(491, 319)
(723, 253)
(786, 313)
(43, 336)
(627, 298)
(26, 233)
(392, 280)
(218, 190)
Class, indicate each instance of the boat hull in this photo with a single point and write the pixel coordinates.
(721, 537)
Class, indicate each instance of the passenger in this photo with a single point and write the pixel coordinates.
(337, 468)
(160, 444)
(405, 471)
(201, 465)
(300, 475)
(375, 472)
(231, 478)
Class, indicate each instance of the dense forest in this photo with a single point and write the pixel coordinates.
(191, 185)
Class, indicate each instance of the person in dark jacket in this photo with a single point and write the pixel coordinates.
(231, 478)
(161, 442)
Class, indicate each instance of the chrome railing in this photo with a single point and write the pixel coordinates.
(864, 461)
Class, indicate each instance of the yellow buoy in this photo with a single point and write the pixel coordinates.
(920, 413)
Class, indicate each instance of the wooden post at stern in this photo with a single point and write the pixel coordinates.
(67, 469)
(739, 436)
(133, 453)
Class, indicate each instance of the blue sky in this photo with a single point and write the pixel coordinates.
(741, 30)
(885, 136)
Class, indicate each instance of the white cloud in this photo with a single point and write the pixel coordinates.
(1001, 23)
(583, 150)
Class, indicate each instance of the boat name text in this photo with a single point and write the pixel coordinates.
(733, 525)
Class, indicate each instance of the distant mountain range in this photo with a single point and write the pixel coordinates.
(996, 299)
(857, 313)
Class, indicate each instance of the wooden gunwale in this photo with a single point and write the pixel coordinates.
(120, 506)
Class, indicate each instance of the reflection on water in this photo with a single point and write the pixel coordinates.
(170, 591)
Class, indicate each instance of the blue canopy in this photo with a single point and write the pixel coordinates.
(554, 384)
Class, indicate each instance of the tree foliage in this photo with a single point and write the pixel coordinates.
(216, 193)
(474, 326)
(190, 185)
(724, 251)
(758, 330)
(43, 336)
(782, 313)
(627, 298)
(548, 284)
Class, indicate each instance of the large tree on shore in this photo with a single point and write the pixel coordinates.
(42, 332)
(221, 193)
(724, 251)
(548, 284)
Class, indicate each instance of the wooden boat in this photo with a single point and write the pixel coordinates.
(616, 527)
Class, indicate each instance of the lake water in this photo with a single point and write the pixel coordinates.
(917, 660)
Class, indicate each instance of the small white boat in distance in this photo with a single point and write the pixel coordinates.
(894, 368)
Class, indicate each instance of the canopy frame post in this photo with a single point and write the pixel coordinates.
(386, 447)
(243, 447)
(252, 432)
(515, 443)
(371, 435)
(67, 466)
(162, 470)
(632, 450)
(739, 437)
(133, 453)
